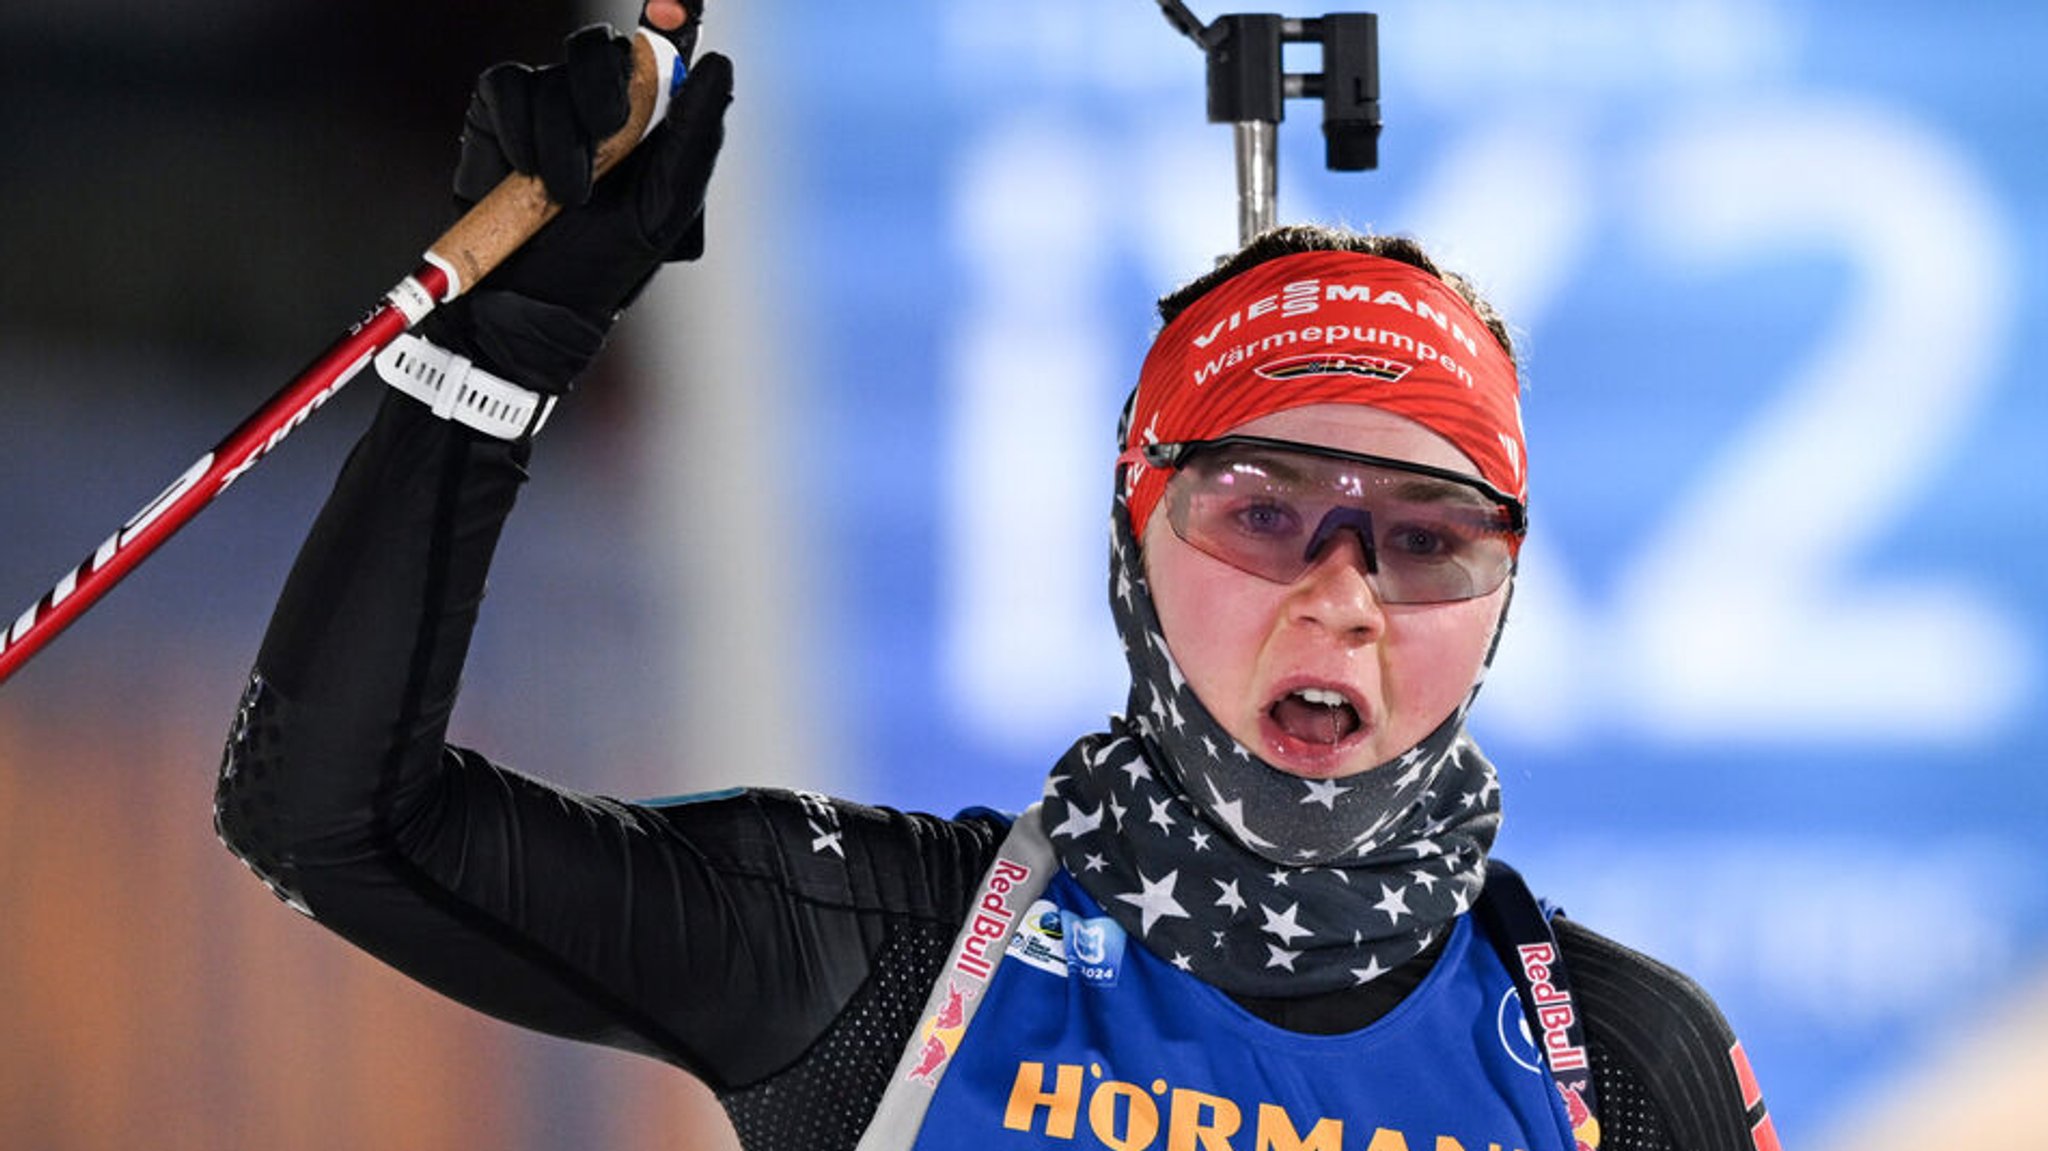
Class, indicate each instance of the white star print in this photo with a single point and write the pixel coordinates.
(1394, 902)
(1278, 876)
(1209, 746)
(1281, 957)
(1232, 815)
(1093, 862)
(1282, 924)
(1183, 962)
(1079, 822)
(1121, 745)
(1323, 791)
(1427, 880)
(1199, 838)
(1160, 815)
(1411, 761)
(1137, 769)
(1371, 971)
(1230, 898)
(1218, 937)
(1155, 901)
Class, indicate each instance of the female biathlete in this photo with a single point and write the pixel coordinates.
(1257, 912)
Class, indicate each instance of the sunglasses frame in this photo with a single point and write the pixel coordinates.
(1176, 455)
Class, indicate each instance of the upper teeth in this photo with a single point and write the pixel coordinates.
(1322, 697)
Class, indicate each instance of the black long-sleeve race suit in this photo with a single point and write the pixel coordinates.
(778, 945)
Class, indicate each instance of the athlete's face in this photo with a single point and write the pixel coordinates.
(1250, 647)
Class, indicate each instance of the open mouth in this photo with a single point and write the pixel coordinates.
(1317, 716)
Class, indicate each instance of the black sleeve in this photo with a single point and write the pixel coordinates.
(1670, 1073)
(722, 936)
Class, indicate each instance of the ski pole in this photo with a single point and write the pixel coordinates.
(477, 243)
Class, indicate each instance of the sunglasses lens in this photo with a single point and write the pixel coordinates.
(1273, 513)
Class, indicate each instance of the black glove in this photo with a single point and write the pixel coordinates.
(543, 314)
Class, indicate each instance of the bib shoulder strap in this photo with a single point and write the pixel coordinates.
(1518, 927)
(1023, 866)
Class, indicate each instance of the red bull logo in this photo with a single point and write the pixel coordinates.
(1554, 1008)
(990, 925)
(1585, 1126)
(941, 1034)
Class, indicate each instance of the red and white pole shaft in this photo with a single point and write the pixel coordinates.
(481, 240)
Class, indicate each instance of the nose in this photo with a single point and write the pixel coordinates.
(1336, 591)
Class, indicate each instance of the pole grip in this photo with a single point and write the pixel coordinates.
(519, 206)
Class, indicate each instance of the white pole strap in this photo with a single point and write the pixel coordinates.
(456, 389)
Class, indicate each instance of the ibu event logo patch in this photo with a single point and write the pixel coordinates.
(1095, 948)
(1334, 364)
(1040, 940)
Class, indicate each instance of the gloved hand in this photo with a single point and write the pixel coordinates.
(542, 315)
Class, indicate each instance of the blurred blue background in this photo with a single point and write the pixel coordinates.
(833, 511)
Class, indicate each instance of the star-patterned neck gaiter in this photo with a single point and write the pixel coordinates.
(1256, 881)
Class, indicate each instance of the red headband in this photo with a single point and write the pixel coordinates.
(1324, 328)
